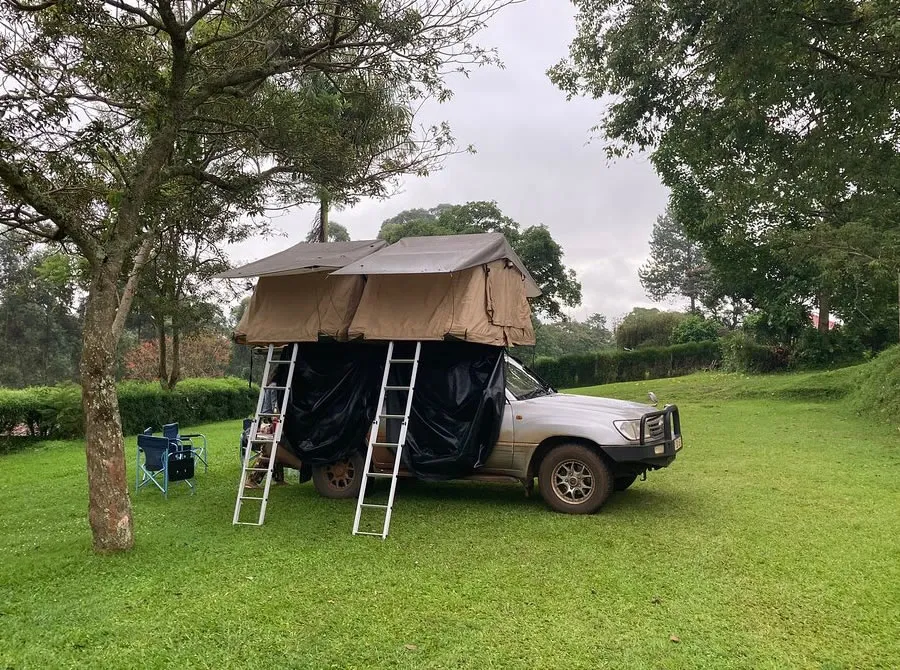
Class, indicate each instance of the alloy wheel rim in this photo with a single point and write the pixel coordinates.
(573, 481)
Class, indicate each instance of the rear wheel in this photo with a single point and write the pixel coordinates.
(340, 479)
(622, 483)
(574, 479)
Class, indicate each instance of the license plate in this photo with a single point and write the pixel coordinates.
(678, 443)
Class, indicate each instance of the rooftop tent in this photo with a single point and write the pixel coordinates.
(296, 298)
(472, 288)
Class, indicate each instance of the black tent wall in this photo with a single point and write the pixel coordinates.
(456, 413)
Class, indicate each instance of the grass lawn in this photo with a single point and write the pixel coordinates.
(772, 542)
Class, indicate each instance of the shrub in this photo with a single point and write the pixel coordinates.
(741, 353)
(647, 328)
(56, 411)
(832, 349)
(29, 408)
(203, 355)
(608, 366)
(694, 329)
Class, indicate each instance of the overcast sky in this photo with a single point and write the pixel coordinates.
(535, 158)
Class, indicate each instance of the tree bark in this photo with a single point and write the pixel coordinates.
(162, 369)
(109, 509)
(324, 202)
(824, 311)
(175, 374)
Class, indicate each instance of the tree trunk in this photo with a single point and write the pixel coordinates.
(109, 508)
(824, 311)
(163, 354)
(176, 357)
(324, 203)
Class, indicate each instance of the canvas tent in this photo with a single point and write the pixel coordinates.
(471, 288)
(297, 299)
(465, 296)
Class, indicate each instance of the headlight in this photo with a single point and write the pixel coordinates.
(630, 429)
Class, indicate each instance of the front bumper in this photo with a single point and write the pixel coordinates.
(654, 452)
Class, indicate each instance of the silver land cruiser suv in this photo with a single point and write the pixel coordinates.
(579, 448)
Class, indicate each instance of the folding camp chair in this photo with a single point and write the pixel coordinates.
(165, 459)
(245, 436)
(170, 430)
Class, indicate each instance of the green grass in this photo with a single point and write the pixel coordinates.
(772, 542)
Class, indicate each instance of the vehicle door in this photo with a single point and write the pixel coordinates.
(502, 455)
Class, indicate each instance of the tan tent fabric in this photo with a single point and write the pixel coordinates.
(506, 303)
(306, 257)
(484, 304)
(440, 254)
(300, 308)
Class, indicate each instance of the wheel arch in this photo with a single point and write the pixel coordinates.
(545, 447)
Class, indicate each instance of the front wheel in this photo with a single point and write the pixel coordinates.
(341, 479)
(574, 479)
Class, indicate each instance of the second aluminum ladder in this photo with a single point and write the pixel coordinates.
(382, 414)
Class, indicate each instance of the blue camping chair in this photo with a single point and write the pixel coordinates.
(164, 459)
(170, 430)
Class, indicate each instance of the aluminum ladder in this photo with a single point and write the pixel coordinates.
(382, 414)
(249, 462)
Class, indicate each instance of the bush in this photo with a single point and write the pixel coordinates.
(56, 411)
(608, 366)
(741, 353)
(203, 356)
(835, 348)
(647, 328)
(30, 408)
(694, 329)
(877, 391)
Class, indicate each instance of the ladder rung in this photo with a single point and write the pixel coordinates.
(380, 475)
(374, 506)
(403, 360)
(269, 414)
(263, 439)
(398, 388)
(256, 469)
(247, 523)
(275, 388)
(391, 416)
(366, 532)
(280, 362)
(388, 445)
(251, 498)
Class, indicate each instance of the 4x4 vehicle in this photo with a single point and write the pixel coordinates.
(580, 448)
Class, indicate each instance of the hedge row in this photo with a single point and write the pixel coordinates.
(56, 411)
(609, 366)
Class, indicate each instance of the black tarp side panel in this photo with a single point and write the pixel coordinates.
(456, 414)
(333, 397)
(457, 408)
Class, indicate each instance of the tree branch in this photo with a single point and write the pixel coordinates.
(140, 259)
(47, 207)
(137, 11)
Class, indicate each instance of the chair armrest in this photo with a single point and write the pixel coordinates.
(200, 435)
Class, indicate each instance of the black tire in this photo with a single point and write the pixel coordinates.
(341, 479)
(622, 483)
(574, 479)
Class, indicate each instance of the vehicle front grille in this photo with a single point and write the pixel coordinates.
(655, 428)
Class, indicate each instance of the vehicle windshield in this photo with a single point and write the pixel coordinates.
(522, 383)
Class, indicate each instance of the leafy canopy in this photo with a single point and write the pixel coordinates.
(773, 123)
